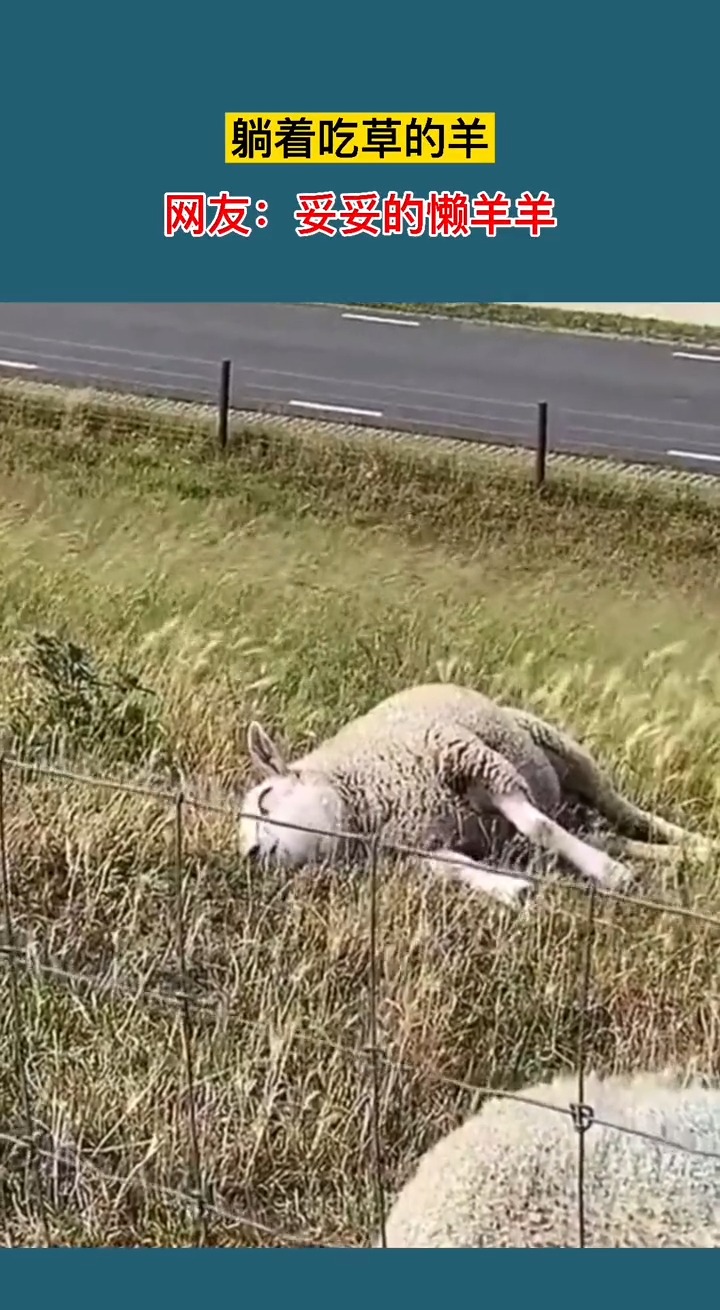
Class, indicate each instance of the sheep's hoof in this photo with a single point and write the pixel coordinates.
(619, 878)
(515, 894)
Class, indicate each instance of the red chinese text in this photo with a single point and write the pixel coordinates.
(360, 213)
(222, 215)
(230, 214)
(535, 212)
(406, 215)
(315, 214)
(491, 212)
(185, 213)
(439, 214)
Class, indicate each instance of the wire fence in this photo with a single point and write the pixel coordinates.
(563, 426)
(197, 1199)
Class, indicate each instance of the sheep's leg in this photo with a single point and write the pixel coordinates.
(486, 779)
(592, 863)
(653, 852)
(509, 889)
(580, 774)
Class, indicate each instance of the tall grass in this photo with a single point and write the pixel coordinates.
(154, 598)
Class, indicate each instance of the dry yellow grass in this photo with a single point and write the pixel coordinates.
(300, 583)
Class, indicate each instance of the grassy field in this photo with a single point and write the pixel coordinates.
(569, 320)
(154, 596)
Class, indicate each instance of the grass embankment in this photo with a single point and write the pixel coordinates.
(569, 320)
(300, 579)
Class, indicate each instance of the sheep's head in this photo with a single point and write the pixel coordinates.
(287, 798)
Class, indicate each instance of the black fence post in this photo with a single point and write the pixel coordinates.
(224, 403)
(542, 438)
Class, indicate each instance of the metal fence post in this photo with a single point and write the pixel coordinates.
(542, 438)
(224, 403)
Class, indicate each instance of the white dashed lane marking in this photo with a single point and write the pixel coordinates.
(693, 454)
(337, 409)
(374, 318)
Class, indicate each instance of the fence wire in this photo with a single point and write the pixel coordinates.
(262, 391)
(195, 1009)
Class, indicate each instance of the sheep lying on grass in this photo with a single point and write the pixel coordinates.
(509, 1175)
(445, 769)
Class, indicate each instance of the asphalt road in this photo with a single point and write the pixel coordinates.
(624, 399)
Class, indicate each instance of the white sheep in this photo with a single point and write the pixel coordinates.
(508, 1177)
(445, 769)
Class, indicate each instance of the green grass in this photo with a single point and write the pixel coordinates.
(568, 320)
(299, 579)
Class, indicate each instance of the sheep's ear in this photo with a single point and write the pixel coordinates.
(263, 752)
